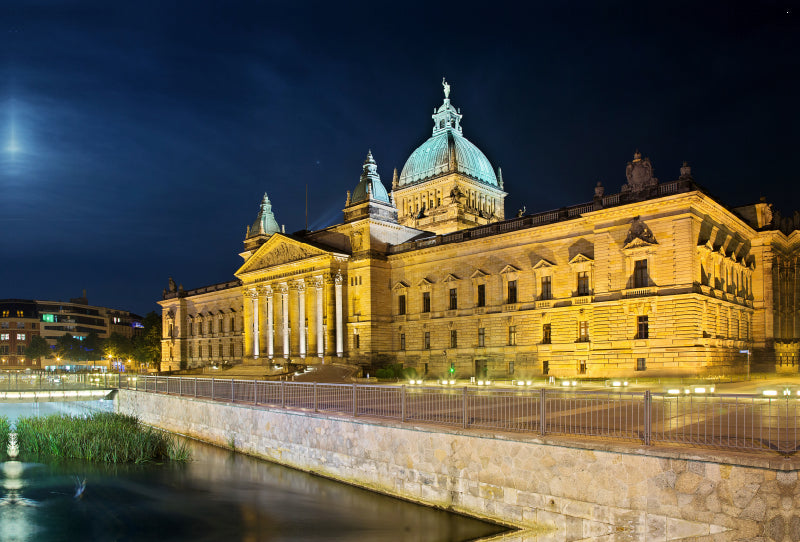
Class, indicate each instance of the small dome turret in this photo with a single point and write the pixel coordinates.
(370, 186)
(265, 223)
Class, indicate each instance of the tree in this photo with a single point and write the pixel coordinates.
(93, 346)
(147, 346)
(38, 348)
(117, 346)
(68, 347)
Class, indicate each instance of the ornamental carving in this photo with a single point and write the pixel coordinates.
(639, 234)
(639, 173)
(283, 253)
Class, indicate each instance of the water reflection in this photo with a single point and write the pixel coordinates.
(218, 495)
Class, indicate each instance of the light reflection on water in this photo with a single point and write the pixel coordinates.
(217, 496)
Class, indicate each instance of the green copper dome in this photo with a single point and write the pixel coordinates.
(447, 151)
(265, 223)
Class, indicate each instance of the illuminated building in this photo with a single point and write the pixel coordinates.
(22, 318)
(657, 279)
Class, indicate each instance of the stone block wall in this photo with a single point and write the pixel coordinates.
(579, 491)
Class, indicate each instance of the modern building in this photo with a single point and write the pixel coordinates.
(22, 318)
(659, 278)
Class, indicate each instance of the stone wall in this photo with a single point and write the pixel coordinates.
(581, 491)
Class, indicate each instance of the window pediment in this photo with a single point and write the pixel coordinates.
(509, 270)
(401, 285)
(478, 274)
(580, 258)
(450, 278)
(543, 264)
(639, 235)
(424, 283)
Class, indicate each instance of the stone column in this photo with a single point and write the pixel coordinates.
(318, 284)
(339, 316)
(253, 294)
(270, 325)
(285, 318)
(301, 315)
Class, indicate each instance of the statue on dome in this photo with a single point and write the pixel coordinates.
(446, 86)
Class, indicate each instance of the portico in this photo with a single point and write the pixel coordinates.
(293, 294)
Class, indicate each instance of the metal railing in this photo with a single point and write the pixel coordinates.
(736, 422)
(43, 380)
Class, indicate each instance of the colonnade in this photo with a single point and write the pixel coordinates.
(263, 299)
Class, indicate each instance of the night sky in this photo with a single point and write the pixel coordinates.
(137, 138)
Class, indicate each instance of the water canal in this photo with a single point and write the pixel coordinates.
(219, 495)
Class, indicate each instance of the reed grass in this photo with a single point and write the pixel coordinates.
(5, 431)
(102, 437)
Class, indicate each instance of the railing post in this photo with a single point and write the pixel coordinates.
(180, 386)
(403, 402)
(233, 390)
(355, 404)
(195, 387)
(212, 388)
(542, 410)
(283, 394)
(648, 402)
(255, 392)
(315, 397)
(464, 421)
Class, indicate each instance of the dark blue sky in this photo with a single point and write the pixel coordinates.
(137, 138)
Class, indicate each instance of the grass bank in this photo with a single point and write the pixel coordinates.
(105, 437)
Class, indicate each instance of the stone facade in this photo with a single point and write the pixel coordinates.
(658, 279)
(577, 491)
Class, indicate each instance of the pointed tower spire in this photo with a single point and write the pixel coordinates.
(394, 180)
(370, 186)
(265, 223)
(500, 178)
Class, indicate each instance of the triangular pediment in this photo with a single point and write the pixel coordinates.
(543, 263)
(401, 285)
(279, 250)
(637, 242)
(509, 269)
(424, 282)
(580, 258)
(478, 274)
(450, 278)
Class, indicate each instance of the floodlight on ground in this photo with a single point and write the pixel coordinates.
(674, 391)
(770, 393)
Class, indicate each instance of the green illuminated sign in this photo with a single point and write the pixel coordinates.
(48, 318)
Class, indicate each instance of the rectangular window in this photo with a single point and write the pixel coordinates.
(545, 367)
(401, 304)
(20, 350)
(511, 367)
(582, 367)
(641, 364)
(546, 334)
(583, 283)
(356, 341)
(583, 331)
(20, 336)
(402, 341)
(453, 338)
(640, 279)
(512, 335)
(426, 302)
(191, 328)
(512, 291)
(4, 325)
(642, 327)
(547, 292)
(5, 336)
(48, 318)
(481, 336)
(4, 349)
(232, 324)
(427, 344)
(453, 299)
(481, 295)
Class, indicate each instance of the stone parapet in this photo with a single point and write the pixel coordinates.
(589, 490)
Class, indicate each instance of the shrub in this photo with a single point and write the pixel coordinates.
(5, 431)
